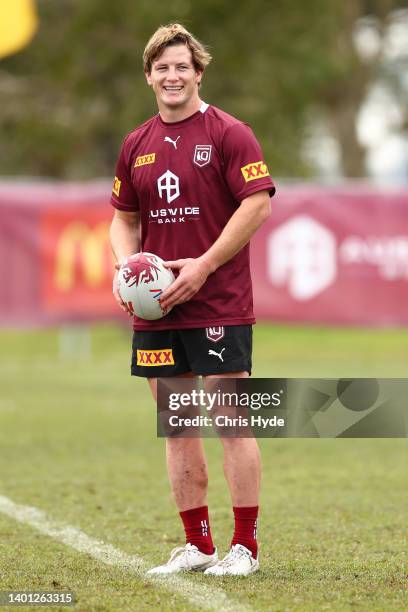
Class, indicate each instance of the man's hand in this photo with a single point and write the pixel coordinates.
(115, 290)
(192, 275)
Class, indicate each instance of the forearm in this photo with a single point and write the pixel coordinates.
(124, 235)
(238, 231)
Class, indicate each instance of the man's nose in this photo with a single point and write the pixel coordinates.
(172, 74)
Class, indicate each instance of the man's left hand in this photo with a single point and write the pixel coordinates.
(192, 275)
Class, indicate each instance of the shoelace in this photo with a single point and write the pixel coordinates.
(233, 555)
(177, 552)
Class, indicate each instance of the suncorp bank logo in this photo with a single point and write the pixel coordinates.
(389, 254)
(302, 254)
(169, 184)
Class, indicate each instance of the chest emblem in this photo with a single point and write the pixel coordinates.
(202, 155)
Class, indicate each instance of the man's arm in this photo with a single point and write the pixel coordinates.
(193, 273)
(125, 234)
(125, 240)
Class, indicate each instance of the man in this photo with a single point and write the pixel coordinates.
(194, 180)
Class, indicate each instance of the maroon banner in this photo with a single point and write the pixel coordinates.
(326, 255)
(55, 260)
(334, 255)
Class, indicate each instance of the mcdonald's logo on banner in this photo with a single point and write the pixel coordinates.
(77, 263)
(80, 249)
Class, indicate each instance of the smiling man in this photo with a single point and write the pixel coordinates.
(193, 183)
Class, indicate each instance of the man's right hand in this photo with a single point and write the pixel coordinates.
(116, 293)
(125, 240)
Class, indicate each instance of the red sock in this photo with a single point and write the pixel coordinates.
(245, 528)
(197, 528)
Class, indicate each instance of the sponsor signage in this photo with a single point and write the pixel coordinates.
(143, 160)
(250, 172)
(76, 261)
(159, 357)
(116, 186)
(326, 255)
(333, 256)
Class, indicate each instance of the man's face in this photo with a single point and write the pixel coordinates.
(173, 77)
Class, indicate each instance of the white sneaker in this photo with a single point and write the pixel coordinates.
(238, 562)
(185, 559)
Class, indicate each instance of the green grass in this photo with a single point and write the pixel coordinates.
(77, 439)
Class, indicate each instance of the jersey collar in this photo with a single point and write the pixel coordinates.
(193, 117)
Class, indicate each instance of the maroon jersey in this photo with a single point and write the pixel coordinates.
(186, 179)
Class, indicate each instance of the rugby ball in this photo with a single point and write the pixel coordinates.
(142, 278)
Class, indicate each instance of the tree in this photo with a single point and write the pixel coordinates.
(68, 100)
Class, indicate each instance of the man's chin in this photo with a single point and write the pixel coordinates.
(173, 103)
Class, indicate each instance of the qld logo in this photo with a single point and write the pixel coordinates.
(202, 155)
(214, 333)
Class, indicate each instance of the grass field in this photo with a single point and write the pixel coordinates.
(78, 441)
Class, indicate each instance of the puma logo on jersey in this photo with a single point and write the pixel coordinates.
(173, 142)
(211, 352)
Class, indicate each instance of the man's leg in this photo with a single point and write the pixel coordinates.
(188, 476)
(186, 465)
(242, 469)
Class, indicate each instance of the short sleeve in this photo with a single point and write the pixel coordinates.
(124, 196)
(244, 166)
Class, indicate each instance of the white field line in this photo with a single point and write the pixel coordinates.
(208, 597)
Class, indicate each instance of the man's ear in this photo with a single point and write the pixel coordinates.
(148, 78)
(199, 77)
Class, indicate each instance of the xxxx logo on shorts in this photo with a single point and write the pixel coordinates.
(253, 171)
(143, 160)
(162, 357)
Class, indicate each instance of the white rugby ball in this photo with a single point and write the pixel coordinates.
(142, 278)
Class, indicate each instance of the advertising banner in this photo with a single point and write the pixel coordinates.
(333, 255)
(56, 262)
(326, 255)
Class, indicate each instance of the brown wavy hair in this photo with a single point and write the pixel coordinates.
(175, 34)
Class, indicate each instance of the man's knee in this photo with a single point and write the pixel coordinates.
(234, 445)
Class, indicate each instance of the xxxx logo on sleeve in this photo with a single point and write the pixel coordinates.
(143, 160)
(254, 171)
(116, 186)
(159, 357)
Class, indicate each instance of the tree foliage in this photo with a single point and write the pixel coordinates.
(70, 97)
